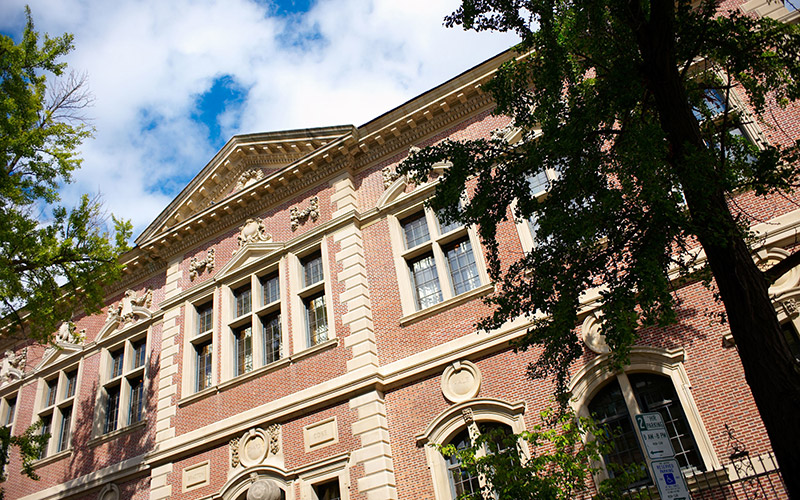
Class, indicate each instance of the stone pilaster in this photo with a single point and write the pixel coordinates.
(167, 383)
(378, 482)
(159, 487)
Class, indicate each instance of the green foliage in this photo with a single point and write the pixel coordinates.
(564, 451)
(30, 444)
(48, 268)
(612, 99)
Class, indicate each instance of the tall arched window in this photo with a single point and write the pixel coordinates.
(461, 481)
(630, 394)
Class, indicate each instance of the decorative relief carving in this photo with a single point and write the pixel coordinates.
(198, 266)
(312, 212)
(505, 133)
(131, 305)
(255, 446)
(264, 489)
(109, 492)
(390, 175)
(790, 305)
(253, 230)
(249, 177)
(590, 331)
(461, 381)
(468, 416)
(13, 366)
(234, 444)
(66, 334)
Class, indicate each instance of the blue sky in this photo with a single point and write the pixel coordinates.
(174, 80)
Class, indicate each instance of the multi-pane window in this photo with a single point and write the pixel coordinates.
(313, 299)
(462, 482)
(202, 346)
(243, 347)
(55, 410)
(329, 490)
(9, 409)
(123, 391)
(255, 326)
(631, 394)
(440, 259)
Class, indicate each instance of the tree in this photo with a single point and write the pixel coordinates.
(630, 104)
(52, 261)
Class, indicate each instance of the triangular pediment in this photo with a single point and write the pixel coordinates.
(244, 161)
(54, 355)
(247, 255)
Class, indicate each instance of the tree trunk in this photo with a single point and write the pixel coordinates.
(769, 368)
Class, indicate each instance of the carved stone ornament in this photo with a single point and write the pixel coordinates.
(66, 334)
(264, 489)
(125, 311)
(468, 416)
(311, 212)
(252, 231)
(249, 177)
(390, 175)
(109, 492)
(198, 266)
(790, 305)
(461, 381)
(505, 133)
(13, 366)
(234, 444)
(590, 331)
(255, 446)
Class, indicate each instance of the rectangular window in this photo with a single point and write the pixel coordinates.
(243, 340)
(463, 272)
(205, 315)
(270, 289)
(446, 228)
(316, 319)
(72, 380)
(243, 299)
(52, 391)
(64, 432)
(116, 363)
(271, 328)
(328, 490)
(139, 352)
(112, 409)
(415, 230)
(11, 409)
(425, 281)
(312, 269)
(136, 400)
(47, 427)
(203, 365)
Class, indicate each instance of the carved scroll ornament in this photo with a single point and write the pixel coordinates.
(198, 266)
(249, 177)
(13, 366)
(252, 231)
(125, 311)
(311, 212)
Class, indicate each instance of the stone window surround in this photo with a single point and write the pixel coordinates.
(523, 225)
(299, 333)
(402, 255)
(258, 310)
(122, 381)
(56, 410)
(336, 467)
(192, 338)
(594, 376)
(4, 409)
(451, 421)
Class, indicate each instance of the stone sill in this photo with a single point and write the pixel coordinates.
(117, 433)
(52, 458)
(447, 304)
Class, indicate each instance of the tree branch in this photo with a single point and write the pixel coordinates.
(781, 268)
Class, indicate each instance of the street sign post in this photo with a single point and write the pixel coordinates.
(654, 436)
(669, 480)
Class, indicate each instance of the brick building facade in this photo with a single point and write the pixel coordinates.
(295, 324)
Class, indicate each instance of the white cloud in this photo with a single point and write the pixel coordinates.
(344, 61)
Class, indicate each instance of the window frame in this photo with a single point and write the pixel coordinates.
(303, 294)
(200, 313)
(122, 385)
(58, 412)
(436, 247)
(525, 229)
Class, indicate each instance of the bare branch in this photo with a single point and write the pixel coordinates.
(68, 98)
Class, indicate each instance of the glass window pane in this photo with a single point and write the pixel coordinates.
(47, 427)
(205, 314)
(139, 353)
(136, 411)
(461, 481)
(116, 363)
(112, 409)
(72, 379)
(270, 289)
(12, 408)
(271, 328)
(425, 281)
(203, 364)
(446, 228)
(416, 230)
(538, 183)
(64, 432)
(463, 272)
(52, 390)
(243, 299)
(312, 269)
(317, 320)
(243, 339)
